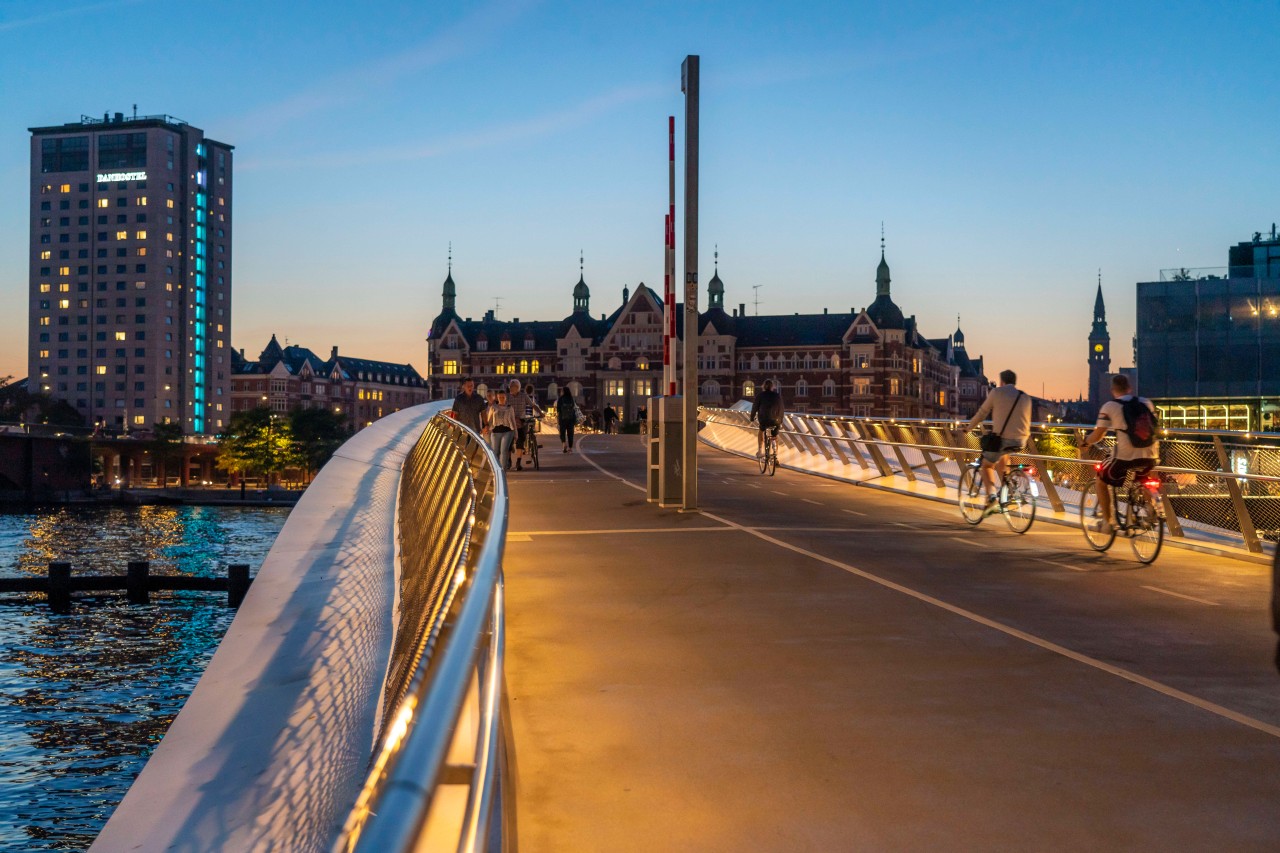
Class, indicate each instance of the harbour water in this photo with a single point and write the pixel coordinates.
(86, 696)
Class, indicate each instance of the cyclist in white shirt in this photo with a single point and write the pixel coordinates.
(1130, 454)
(1010, 413)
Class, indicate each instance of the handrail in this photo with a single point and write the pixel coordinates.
(1201, 493)
(443, 729)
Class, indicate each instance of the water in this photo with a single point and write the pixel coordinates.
(85, 697)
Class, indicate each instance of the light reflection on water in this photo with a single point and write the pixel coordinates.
(85, 697)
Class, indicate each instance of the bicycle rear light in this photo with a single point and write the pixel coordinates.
(1097, 466)
(1151, 483)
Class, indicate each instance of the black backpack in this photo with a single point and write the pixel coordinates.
(1141, 421)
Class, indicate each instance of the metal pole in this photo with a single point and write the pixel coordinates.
(668, 309)
(670, 295)
(689, 85)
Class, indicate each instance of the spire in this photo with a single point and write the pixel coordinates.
(581, 293)
(1099, 309)
(882, 271)
(715, 287)
(957, 339)
(626, 295)
(450, 290)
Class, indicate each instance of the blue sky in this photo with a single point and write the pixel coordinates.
(1011, 150)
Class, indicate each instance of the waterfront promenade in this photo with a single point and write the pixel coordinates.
(810, 665)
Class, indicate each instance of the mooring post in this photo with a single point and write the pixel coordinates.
(136, 582)
(59, 587)
(237, 583)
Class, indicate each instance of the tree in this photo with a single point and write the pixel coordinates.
(17, 403)
(257, 442)
(317, 433)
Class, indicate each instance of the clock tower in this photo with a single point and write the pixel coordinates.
(1099, 354)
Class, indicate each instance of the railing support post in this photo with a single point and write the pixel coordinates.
(237, 583)
(1237, 499)
(928, 458)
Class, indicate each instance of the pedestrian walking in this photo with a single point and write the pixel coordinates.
(468, 407)
(501, 419)
(567, 418)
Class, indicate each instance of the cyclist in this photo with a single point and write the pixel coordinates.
(526, 410)
(1011, 408)
(1136, 447)
(767, 409)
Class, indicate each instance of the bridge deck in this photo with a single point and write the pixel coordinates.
(808, 665)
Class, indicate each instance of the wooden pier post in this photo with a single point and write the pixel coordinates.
(136, 582)
(59, 593)
(237, 583)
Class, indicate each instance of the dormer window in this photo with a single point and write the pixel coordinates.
(528, 343)
(505, 344)
(482, 345)
(862, 329)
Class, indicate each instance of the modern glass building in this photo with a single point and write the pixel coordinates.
(1208, 343)
(130, 271)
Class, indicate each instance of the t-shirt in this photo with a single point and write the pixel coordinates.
(1111, 416)
(998, 405)
(469, 408)
(523, 405)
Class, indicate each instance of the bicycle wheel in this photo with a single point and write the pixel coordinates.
(1091, 516)
(772, 459)
(765, 452)
(1020, 502)
(533, 450)
(970, 495)
(1146, 527)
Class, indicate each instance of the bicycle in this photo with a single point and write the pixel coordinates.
(1016, 497)
(769, 456)
(1139, 516)
(531, 441)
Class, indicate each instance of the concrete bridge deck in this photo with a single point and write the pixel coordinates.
(807, 665)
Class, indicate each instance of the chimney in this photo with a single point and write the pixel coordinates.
(742, 309)
(119, 118)
(515, 319)
(824, 310)
(242, 352)
(333, 353)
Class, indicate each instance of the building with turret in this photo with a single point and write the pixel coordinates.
(869, 362)
(1099, 356)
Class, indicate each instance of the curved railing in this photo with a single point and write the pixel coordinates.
(1220, 488)
(442, 774)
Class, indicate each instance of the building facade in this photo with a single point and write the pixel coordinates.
(130, 271)
(870, 362)
(1208, 341)
(359, 390)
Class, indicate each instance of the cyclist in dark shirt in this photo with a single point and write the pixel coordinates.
(767, 409)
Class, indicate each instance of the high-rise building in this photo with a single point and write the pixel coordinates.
(130, 312)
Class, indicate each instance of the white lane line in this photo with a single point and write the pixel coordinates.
(964, 541)
(1180, 595)
(1060, 565)
(855, 512)
(519, 537)
(815, 503)
(776, 492)
(1120, 672)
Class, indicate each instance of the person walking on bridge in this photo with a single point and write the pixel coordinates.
(502, 423)
(566, 418)
(526, 409)
(468, 407)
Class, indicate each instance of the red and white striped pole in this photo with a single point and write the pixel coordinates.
(670, 295)
(666, 306)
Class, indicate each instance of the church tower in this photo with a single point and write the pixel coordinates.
(1099, 354)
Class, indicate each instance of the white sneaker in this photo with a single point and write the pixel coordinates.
(1101, 525)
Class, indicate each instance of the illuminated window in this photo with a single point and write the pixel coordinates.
(524, 365)
(101, 370)
(122, 235)
(168, 237)
(46, 255)
(168, 203)
(44, 353)
(643, 387)
(535, 366)
(142, 235)
(121, 336)
(44, 288)
(142, 201)
(64, 270)
(505, 345)
(139, 419)
(450, 368)
(102, 202)
(142, 251)
(64, 303)
(748, 388)
(65, 188)
(44, 321)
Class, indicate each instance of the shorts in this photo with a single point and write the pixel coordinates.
(1008, 445)
(1114, 471)
(772, 427)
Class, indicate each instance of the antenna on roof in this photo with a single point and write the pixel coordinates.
(135, 111)
(497, 303)
(756, 288)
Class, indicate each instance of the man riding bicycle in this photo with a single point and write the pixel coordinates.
(527, 411)
(1136, 450)
(767, 409)
(1011, 408)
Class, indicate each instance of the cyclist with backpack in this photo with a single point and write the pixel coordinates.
(1137, 450)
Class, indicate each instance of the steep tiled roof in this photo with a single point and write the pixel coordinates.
(794, 330)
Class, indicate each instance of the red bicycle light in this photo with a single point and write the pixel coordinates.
(1151, 484)
(1031, 471)
(1097, 466)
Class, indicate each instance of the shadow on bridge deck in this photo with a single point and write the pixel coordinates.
(835, 668)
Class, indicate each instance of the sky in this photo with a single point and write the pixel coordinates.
(1013, 152)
